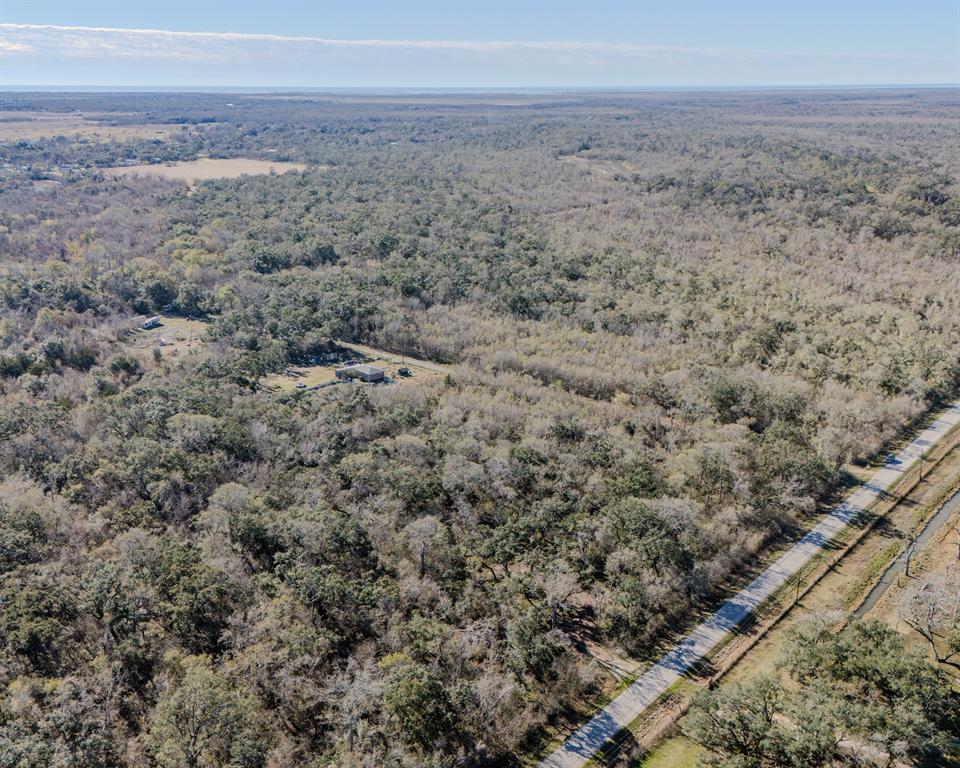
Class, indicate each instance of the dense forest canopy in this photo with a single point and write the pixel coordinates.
(670, 323)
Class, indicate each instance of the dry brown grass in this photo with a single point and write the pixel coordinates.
(29, 126)
(308, 375)
(175, 337)
(314, 375)
(201, 170)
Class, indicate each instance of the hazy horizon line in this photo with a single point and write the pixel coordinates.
(116, 88)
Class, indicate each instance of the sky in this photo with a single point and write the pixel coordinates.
(312, 44)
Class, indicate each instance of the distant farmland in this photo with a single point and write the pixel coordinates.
(30, 126)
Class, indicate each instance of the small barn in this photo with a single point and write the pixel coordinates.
(363, 372)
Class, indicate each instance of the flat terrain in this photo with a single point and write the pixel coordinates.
(678, 752)
(307, 375)
(379, 357)
(940, 553)
(207, 168)
(424, 99)
(175, 337)
(29, 126)
(315, 375)
(668, 321)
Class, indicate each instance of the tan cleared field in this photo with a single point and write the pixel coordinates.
(316, 375)
(29, 126)
(207, 168)
(307, 375)
(174, 337)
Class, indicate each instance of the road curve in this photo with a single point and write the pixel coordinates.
(587, 740)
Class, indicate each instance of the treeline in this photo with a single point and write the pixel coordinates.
(669, 327)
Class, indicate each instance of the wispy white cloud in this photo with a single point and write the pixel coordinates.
(10, 47)
(86, 42)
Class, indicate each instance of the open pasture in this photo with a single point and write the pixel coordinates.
(31, 126)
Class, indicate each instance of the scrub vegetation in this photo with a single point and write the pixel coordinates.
(669, 324)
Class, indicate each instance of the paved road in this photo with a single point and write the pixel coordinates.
(625, 708)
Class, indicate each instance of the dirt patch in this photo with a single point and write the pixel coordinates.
(201, 170)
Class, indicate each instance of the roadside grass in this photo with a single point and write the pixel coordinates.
(874, 570)
(858, 528)
(675, 752)
(928, 510)
(858, 590)
(681, 689)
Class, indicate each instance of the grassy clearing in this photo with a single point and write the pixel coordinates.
(317, 375)
(30, 126)
(175, 337)
(308, 376)
(369, 354)
(675, 752)
(207, 168)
